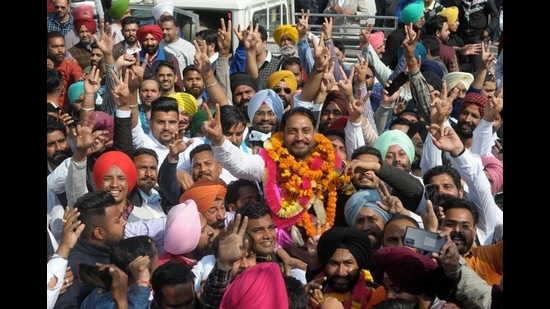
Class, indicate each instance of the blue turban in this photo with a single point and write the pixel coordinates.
(411, 12)
(360, 199)
(74, 91)
(395, 137)
(268, 97)
(420, 50)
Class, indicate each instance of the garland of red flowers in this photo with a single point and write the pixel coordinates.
(298, 185)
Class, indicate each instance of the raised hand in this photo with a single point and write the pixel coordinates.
(252, 37)
(390, 203)
(471, 49)
(240, 33)
(446, 139)
(224, 37)
(92, 82)
(139, 268)
(346, 84)
(121, 91)
(364, 35)
(212, 127)
(409, 43)
(202, 61)
(232, 245)
(314, 290)
(303, 24)
(321, 53)
(106, 42)
(487, 57)
(441, 105)
(326, 28)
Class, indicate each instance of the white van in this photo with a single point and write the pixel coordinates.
(193, 15)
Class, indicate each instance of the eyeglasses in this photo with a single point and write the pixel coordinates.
(286, 89)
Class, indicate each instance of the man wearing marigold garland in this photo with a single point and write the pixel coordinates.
(344, 256)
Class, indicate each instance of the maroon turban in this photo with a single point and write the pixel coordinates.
(409, 270)
(154, 30)
(103, 121)
(338, 98)
(474, 98)
(114, 157)
(89, 22)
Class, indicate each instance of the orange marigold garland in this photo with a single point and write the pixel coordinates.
(292, 187)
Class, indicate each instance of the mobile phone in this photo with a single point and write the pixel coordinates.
(397, 82)
(92, 275)
(429, 193)
(423, 239)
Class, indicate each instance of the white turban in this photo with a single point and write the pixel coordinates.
(160, 8)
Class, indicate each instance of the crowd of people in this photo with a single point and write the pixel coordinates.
(189, 175)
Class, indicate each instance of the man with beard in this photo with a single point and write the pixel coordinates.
(344, 255)
(130, 44)
(461, 219)
(193, 83)
(183, 50)
(145, 197)
(70, 70)
(187, 235)
(149, 90)
(470, 112)
(62, 20)
(167, 76)
(265, 110)
(459, 83)
(243, 88)
(57, 145)
(81, 51)
(150, 37)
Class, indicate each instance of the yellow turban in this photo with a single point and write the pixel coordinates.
(282, 75)
(186, 102)
(287, 30)
(451, 13)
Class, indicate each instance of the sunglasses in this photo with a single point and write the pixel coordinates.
(286, 89)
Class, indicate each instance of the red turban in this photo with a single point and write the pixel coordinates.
(204, 192)
(259, 286)
(474, 98)
(154, 30)
(83, 10)
(118, 158)
(89, 22)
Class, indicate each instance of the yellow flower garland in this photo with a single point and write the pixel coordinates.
(302, 185)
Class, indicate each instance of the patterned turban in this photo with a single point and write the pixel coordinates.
(268, 97)
(395, 137)
(474, 98)
(114, 157)
(154, 30)
(356, 241)
(118, 8)
(182, 229)
(186, 101)
(282, 75)
(204, 192)
(89, 22)
(287, 30)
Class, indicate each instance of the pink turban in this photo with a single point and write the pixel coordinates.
(83, 10)
(118, 158)
(259, 286)
(154, 30)
(474, 98)
(182, 230)
(89, 22)
(204, 192)
(376, 39)
(494, 167)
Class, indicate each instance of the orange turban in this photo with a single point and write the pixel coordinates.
(287, 30)
(282, 75)
(154, 30)
(118, 158)
(204, 192)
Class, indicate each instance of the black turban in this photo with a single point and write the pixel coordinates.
(238, 79)
(356, 241)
